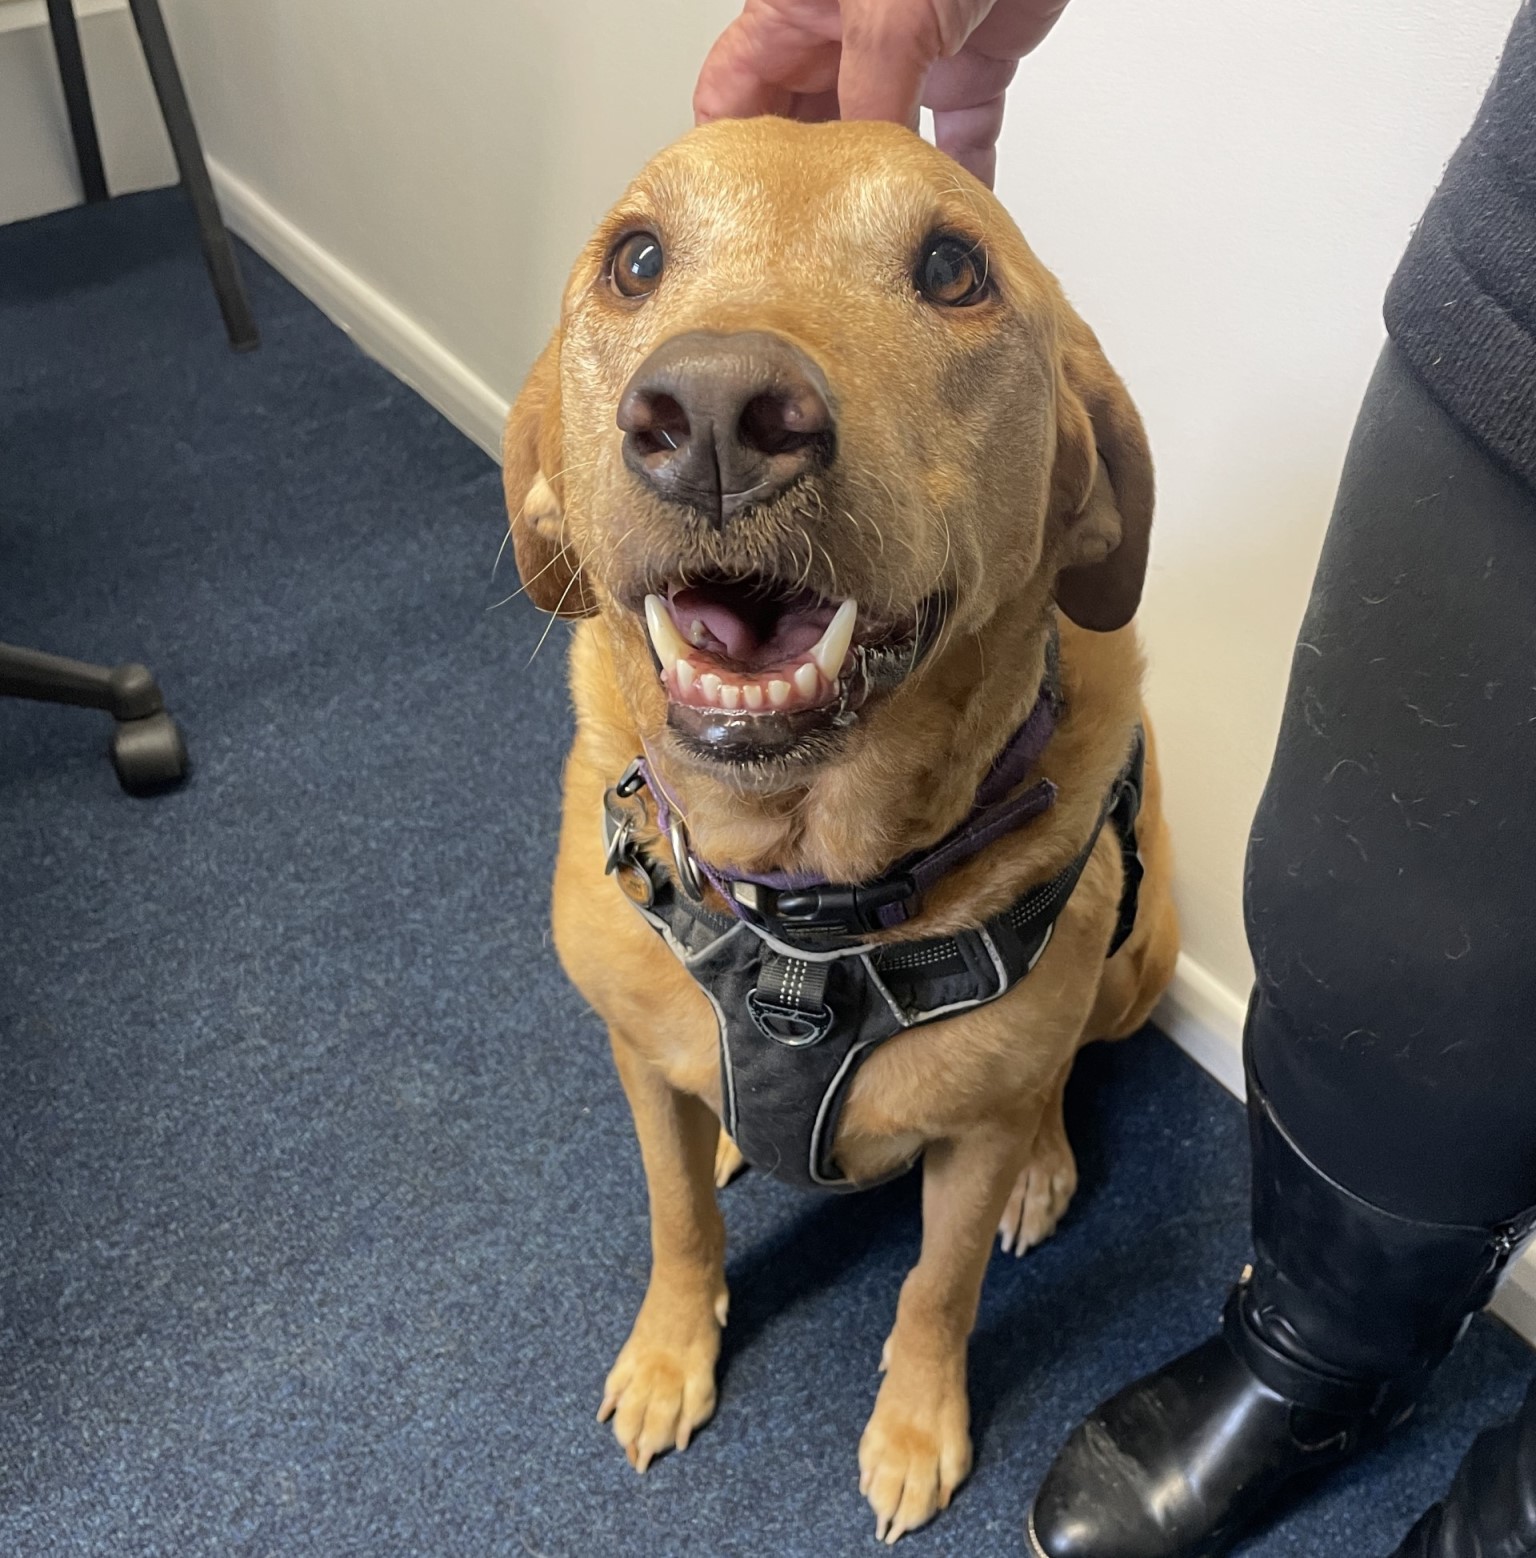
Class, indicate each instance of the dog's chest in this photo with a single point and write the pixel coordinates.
(795, 1027)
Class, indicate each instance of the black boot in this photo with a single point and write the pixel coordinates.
(1490, 1511)
(1325, 1346)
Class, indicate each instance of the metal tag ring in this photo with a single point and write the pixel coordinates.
(687, 869)
(619, 846)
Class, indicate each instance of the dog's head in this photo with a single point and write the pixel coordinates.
(813, 417)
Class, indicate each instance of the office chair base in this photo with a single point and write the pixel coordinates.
(147, 750)
(149, 754)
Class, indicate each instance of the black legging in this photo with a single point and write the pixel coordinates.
(1391, 882)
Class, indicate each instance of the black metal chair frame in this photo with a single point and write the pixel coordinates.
(177, 113)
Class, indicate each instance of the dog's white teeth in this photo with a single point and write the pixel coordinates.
(752, 695)
(778, 693)
(665, 639)
(730, 695)
(709, 685)
(697, 633)
(686, 676)
(832, 647)
(807, 680)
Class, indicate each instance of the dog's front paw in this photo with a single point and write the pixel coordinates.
(915, 1452)
(661, 1388)
(1041, 1194)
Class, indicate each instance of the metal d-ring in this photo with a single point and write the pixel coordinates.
(682, 857)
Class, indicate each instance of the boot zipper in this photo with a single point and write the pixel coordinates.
(1506, 1240)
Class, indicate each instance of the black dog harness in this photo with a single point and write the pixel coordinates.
(802, 997)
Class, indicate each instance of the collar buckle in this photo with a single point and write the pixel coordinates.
(847, 910)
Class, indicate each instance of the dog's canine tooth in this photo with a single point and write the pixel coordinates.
(832, 647)
(709, 685)
(730, 695)
(778, 693)
(752, 694)
(807, 680)
(665, 639)
(686, 676)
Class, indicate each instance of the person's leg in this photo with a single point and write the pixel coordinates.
(1391, 899)
(1391, 883)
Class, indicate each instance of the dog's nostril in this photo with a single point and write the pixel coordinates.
(779, 421)
(656, 422)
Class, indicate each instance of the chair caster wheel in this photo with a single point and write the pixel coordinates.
(149, 754)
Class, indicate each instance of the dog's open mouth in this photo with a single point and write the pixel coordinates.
(753, 669)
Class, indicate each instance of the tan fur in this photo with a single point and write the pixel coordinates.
(991, 450)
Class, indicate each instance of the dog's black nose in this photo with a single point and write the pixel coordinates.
(721, 422)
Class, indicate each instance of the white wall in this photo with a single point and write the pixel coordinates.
(1225, 187)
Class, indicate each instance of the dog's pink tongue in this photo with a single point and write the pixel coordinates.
(733, 636)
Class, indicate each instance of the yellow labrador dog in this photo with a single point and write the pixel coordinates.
(854, 517)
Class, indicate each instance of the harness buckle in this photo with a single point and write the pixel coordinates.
(850, 910)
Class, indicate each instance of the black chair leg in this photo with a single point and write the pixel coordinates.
(218, 251)
(147, 750)
(77, 98)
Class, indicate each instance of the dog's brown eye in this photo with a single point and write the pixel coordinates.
(952, 271)
(636, 266)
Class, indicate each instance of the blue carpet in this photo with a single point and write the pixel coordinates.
(322, 1219)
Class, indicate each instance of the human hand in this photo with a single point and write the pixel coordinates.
(878, 59)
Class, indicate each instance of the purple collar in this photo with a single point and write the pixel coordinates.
(794, 906)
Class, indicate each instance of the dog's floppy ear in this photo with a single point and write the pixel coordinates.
(530, 476)
(1101, 488)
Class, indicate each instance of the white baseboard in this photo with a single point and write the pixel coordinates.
(1204, 1018)
(1200, 1013)
(382, 329)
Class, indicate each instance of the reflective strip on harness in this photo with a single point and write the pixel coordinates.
(796, 1022)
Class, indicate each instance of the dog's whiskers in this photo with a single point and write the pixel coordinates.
(554, 616)
(523, 588)
(500, 552)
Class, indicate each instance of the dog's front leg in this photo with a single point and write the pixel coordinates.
(662, 1386)
(916, 1449)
